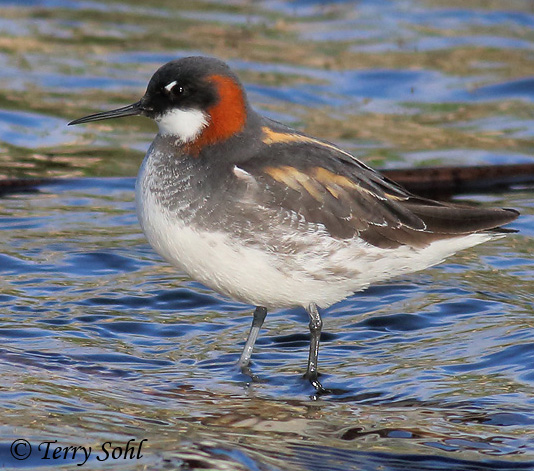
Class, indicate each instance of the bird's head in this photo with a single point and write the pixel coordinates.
(197, 100)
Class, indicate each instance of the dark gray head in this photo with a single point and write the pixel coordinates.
(194, 98)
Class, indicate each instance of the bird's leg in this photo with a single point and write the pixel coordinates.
(257, 322)
(316, 325)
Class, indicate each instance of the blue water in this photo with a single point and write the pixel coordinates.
(433, 363)
(102, 341)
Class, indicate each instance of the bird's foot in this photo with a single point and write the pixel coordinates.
(246, 370)
(312, 377)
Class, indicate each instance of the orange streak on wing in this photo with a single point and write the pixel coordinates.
(284, 174)
(274, 137)
(310, 186)
(331, 181)
(295, 179)
(333, 189)
(326, 178)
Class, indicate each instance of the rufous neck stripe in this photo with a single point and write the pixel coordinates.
(226, 118)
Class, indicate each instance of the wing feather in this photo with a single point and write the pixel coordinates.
(327, 186)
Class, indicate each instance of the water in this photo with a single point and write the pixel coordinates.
(101, 341)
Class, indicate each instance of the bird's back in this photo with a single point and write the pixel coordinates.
(325, 185)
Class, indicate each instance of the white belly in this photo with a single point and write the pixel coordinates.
(216, 260)
(259, 276)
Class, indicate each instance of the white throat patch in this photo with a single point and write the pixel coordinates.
(186, 125)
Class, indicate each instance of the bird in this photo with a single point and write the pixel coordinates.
(271, 216)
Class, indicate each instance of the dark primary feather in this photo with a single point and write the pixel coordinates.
(328, 186)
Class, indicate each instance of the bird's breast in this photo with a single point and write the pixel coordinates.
(181, 225)
(257, 255)
(166, 189)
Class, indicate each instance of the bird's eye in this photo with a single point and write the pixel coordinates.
(174, 88)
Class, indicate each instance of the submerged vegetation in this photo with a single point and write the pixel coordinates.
(50, 55)
(301, 64)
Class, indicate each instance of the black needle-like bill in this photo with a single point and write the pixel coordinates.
(130, 110)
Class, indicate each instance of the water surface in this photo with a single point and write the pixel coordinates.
(102, 341)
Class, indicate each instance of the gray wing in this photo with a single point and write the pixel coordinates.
(325, 185)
